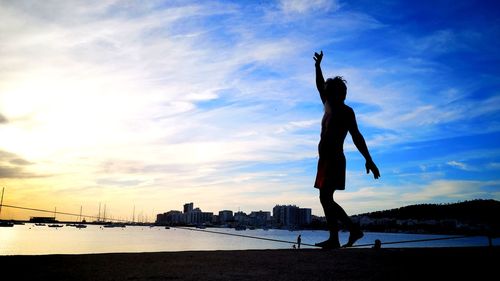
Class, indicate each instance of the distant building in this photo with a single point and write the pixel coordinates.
(43, 219)
(260, 218)
(196, 216)
(285, 215)
(188, 207)
(291, 216)
(225, 216)
(171, 217)
(305, 216)
(241, 218)
(188, 216)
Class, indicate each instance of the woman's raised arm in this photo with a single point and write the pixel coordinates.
(320, 81)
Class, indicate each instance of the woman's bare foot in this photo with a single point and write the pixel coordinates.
(329, 244)
(354, 236)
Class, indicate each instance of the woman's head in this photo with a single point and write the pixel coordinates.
(335, 89)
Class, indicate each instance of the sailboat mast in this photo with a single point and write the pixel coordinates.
(1, 201)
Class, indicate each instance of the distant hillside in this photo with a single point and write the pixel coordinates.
(476, 217)
(477, 211)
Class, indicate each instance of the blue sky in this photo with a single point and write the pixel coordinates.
(160, 103)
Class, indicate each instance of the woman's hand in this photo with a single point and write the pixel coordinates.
(318, 58)
(370, 166)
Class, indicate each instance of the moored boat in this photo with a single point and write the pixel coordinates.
(6, 224)
(55, 225)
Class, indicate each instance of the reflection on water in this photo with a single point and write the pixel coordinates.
(29, 239)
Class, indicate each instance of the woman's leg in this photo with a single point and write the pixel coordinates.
(342, 215)
(326, 199)
(334, 213)
(355, 232)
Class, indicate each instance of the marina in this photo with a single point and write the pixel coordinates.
(30, 239)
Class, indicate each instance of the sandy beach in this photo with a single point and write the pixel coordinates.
(341, 264)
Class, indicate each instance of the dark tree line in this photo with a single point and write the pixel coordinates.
(475, 217)
(477, 211)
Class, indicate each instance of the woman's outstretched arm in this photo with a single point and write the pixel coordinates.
(359, 142)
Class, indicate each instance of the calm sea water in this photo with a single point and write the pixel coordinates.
(29, 239)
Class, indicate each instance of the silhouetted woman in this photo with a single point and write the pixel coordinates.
(338, 119)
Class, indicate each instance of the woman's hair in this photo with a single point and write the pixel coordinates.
(336, 88)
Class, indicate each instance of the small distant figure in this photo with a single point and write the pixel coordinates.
(299, 240)
(377, 245)
(338, 120)
(295, 247)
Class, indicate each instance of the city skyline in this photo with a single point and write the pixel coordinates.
(144, 104)
(289, 216)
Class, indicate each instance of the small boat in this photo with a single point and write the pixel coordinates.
(167, 227)
(55, 225)
(115, 225)
(6, 224)
(40, 224)
(81, 226)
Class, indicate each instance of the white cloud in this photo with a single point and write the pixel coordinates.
(459, 165)
(306, 6)
(451, 190)
(437, 42)
(493, 166)
(296, 125)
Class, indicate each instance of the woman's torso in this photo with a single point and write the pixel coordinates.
(334, 128)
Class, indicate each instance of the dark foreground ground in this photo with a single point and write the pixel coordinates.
(342, 264)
